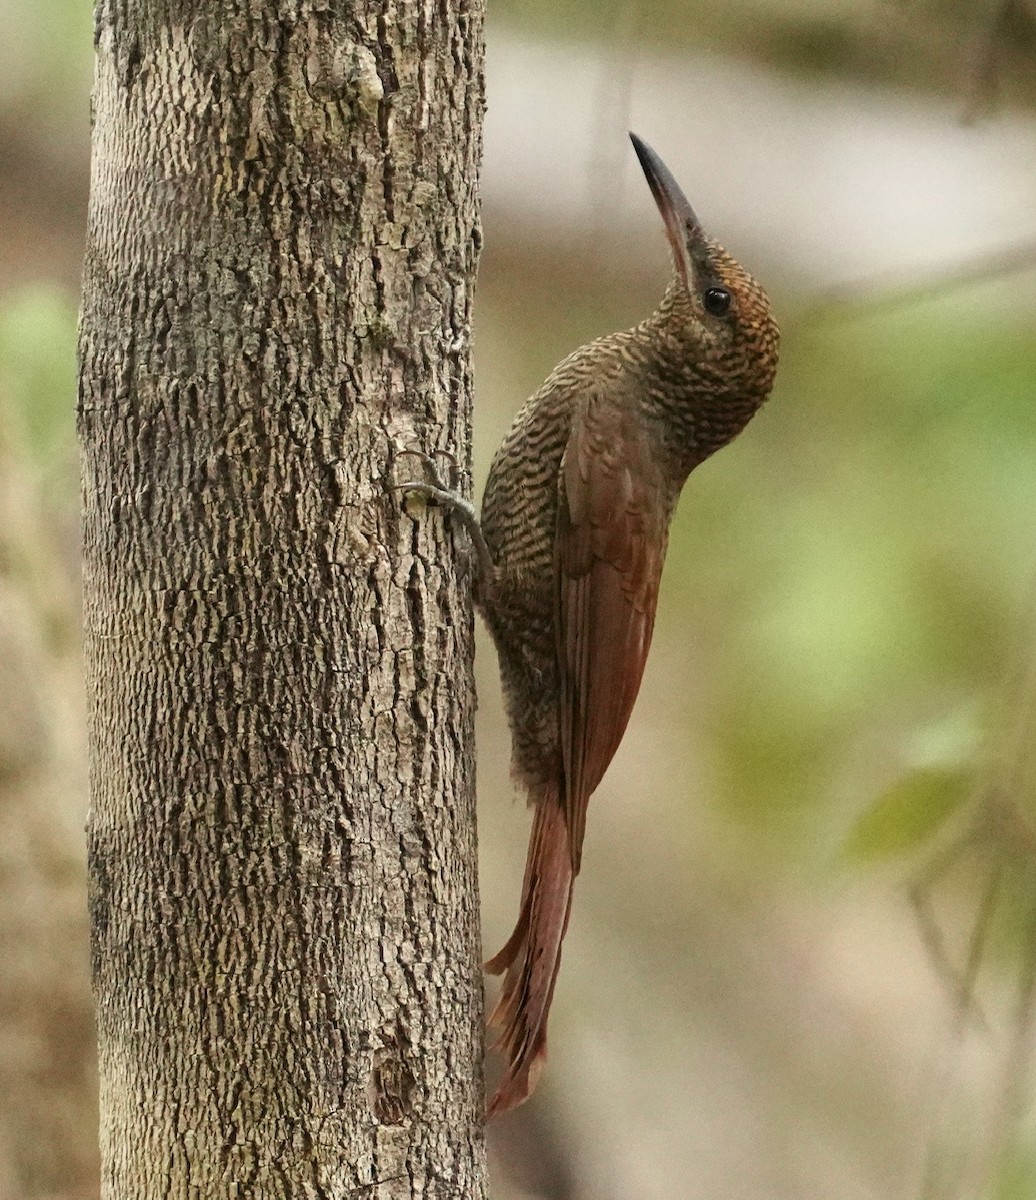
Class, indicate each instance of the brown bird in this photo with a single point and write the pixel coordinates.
(575, 523)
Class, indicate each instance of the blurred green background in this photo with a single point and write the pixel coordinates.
(801, 960)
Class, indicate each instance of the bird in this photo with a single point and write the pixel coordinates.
(570, 547)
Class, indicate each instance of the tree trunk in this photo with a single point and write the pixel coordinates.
(282, 241)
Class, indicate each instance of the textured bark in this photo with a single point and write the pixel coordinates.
(282, 242)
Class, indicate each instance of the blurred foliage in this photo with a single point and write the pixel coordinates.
(38, 479)
(885, 517)
(909, 813)
(1015, 1177)
(38, 370)
(45, 67)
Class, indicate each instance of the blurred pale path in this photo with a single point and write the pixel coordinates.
(828, 181)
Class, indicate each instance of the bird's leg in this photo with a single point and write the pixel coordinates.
(435, 488)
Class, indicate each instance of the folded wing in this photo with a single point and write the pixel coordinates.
(613, 520)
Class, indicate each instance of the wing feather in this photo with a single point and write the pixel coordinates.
(613, 518)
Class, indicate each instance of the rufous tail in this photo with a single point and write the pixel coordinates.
(532, 957)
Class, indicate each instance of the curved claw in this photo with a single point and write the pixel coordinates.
(455, 502)
(431, 466)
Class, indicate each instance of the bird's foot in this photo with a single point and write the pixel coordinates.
(434, 481)
(441, 491)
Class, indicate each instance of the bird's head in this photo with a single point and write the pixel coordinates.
(713, 300)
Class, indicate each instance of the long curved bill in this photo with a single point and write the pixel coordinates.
(681, 225)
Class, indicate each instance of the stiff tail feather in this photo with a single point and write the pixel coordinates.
(532, 957)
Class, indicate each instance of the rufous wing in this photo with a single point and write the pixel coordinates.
(613, 519)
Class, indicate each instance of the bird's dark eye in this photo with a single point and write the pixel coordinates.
(716, 300)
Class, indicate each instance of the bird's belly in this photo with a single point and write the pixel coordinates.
(521, 622)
